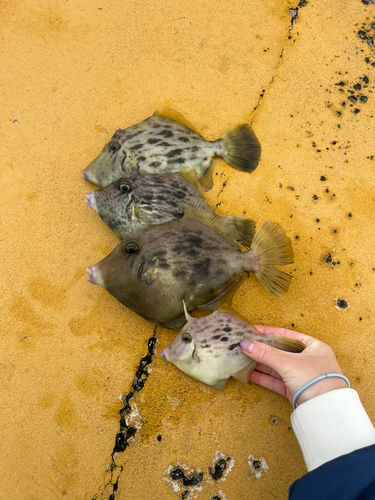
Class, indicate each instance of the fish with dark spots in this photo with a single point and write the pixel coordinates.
(140, 200)
(166, 133)
(239, 147)
(176, 160)
(188, 351)
(156, 294)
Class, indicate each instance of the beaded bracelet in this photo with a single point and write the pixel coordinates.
(322, 377)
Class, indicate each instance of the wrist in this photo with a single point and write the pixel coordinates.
(321, 387)
(326, 383)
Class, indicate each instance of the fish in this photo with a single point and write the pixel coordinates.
(166, 142)
(139, 200)
(208, 349)
(202, 259)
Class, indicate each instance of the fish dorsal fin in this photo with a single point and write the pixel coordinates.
(191, 176)
(245, 228)
(206, 179)
(174, 115)
(199, 210)
(228, 309)
(225, 297)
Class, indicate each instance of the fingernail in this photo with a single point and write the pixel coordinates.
(247, 345)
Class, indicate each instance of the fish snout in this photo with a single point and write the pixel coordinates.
(90, 200)
(94, 275)
(164, 354)
(89, 175)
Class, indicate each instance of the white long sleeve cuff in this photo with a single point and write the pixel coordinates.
(330, 425)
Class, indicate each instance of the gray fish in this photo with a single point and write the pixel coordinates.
(198, 259)
(208, 348)
(166, 142)
(139, 200)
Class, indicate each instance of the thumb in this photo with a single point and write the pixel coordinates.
(265, 354)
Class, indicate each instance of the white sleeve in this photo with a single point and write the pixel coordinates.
(330, 425)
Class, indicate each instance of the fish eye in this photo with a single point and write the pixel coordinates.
(125, 186)
(132, 247)
(186, 337)
(114, 146)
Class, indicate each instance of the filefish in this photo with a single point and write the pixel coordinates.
(166, 142)
(208, 349)
(139, 200)
(201, 259)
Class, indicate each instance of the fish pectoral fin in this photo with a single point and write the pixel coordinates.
(198, 209)
(132, 161)
(245, 374)
(195, 356)
(150, 274)
(225, 297)
(136, 207)
(220, 385)
(174, 115)
(191, 176)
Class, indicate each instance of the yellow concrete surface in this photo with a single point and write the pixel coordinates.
(71, 72)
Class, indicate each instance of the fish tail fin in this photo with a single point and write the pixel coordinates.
(243, 148)
(283, 343)
(279, 342)
(272, 246)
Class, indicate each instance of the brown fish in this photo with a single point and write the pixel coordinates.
(208, 349)
(139, 200)
(197, 259)
(166, 142)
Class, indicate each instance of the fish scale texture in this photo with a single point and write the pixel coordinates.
(80, 377)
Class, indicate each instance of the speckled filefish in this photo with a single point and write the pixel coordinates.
(201, 259)
(166, 142)
(208, 348)
(139, 200)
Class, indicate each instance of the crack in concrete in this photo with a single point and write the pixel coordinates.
(294, 15)
(128, 426)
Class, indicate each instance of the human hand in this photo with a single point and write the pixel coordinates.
(286, 372)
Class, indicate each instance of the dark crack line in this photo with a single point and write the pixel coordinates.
(294, 15)
(126, 431)
(219, 193)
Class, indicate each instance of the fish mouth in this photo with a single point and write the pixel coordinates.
(90, 200)
(94, 275)
(89, 176)
(164, 355)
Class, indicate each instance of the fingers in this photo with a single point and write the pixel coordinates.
(266, 369)
(269, 356)
(266, 330)
(269, 382)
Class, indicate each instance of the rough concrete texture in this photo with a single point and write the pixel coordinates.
(89, 409)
